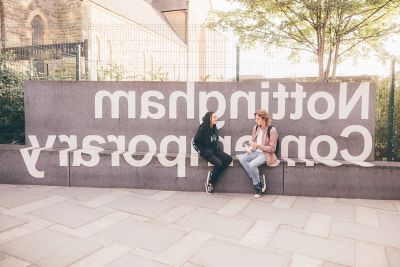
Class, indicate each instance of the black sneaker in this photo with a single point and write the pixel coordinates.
(263, 183)
(209, 188)
(258, 192)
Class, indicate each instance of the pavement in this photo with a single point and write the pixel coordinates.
(75, 226)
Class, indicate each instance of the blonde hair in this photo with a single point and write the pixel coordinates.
(263, 114)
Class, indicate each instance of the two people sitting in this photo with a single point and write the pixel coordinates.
(261, 149)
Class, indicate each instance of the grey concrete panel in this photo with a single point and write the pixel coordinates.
(14, 171)
(157, 176)
(70, 110)
(347, 181)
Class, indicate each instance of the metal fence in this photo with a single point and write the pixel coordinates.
(159, 53)
(387, 131)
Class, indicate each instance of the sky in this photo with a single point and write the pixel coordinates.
(275, 64)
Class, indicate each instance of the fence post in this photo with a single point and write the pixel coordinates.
(389, 147)
(237, 63)
(78, 62)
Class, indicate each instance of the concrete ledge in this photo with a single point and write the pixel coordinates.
(13, 169)
(346, 181)
(381, 181)
(156, 176)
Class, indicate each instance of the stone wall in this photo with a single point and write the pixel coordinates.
(55, 15)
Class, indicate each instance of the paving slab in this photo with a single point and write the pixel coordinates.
(370, 255)
(140, 206)
(8, 222)
(68, 214)
(215, 223)
(49, 248)
(313, 246)
(393, 256)
(279, 215)
(365, 233)
(199, 199)
(217, 254)
(81, 193)
(335, 209)
(389, 221)
(133, 260)
(144, 235)
(12, 197)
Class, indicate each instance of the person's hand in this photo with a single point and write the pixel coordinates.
(254, 145)
(248, 149)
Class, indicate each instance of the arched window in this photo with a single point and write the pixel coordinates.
(109, 52)
(144, 65)
(202, 54)
(37, 30)
(98, 48)
(151, 64)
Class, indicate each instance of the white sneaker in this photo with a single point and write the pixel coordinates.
(208, 177)
(263, 183)
(257, 193)
(209, 189)
(207, 184)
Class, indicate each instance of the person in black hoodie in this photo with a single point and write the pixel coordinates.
(206, 143)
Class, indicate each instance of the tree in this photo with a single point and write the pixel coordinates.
(329, 29)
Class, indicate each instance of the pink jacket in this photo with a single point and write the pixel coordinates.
(268, 144)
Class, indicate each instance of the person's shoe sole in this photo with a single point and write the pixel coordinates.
(209, 192)
(207, 182)
(264, 183)
(257, 195)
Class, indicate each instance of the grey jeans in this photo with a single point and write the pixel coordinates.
(251, 162)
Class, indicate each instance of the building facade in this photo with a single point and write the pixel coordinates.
(118, 40)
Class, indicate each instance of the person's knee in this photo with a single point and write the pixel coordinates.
(253, 165)
(218, 164)
(241, 158)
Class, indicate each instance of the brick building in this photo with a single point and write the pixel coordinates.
(124, 39)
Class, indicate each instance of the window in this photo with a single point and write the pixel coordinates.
(109, 51)
(98, 48)
(37, 31)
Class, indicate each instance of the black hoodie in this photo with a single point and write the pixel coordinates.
(206, 137)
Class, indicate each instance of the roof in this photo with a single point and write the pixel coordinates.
(142, 13)
(169, 5)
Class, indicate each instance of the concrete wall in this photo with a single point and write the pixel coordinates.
(70, 110)
(154, 149)
(347, 181)
(156, 176)
(14, 171)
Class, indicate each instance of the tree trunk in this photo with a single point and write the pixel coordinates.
(320, 61)
(320, 42)
(321, 50)
(2, 25)
(328, 66)
(336, 57)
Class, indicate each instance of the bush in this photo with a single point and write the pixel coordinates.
(12, 128)
(381, 129)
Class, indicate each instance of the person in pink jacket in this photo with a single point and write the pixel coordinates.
(261, 150)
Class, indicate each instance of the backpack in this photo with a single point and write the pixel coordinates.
(277, 141)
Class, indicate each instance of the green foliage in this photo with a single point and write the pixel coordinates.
(159, 74)
(330, 29)
(381, 129)
(12, 126)
(113, 72)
